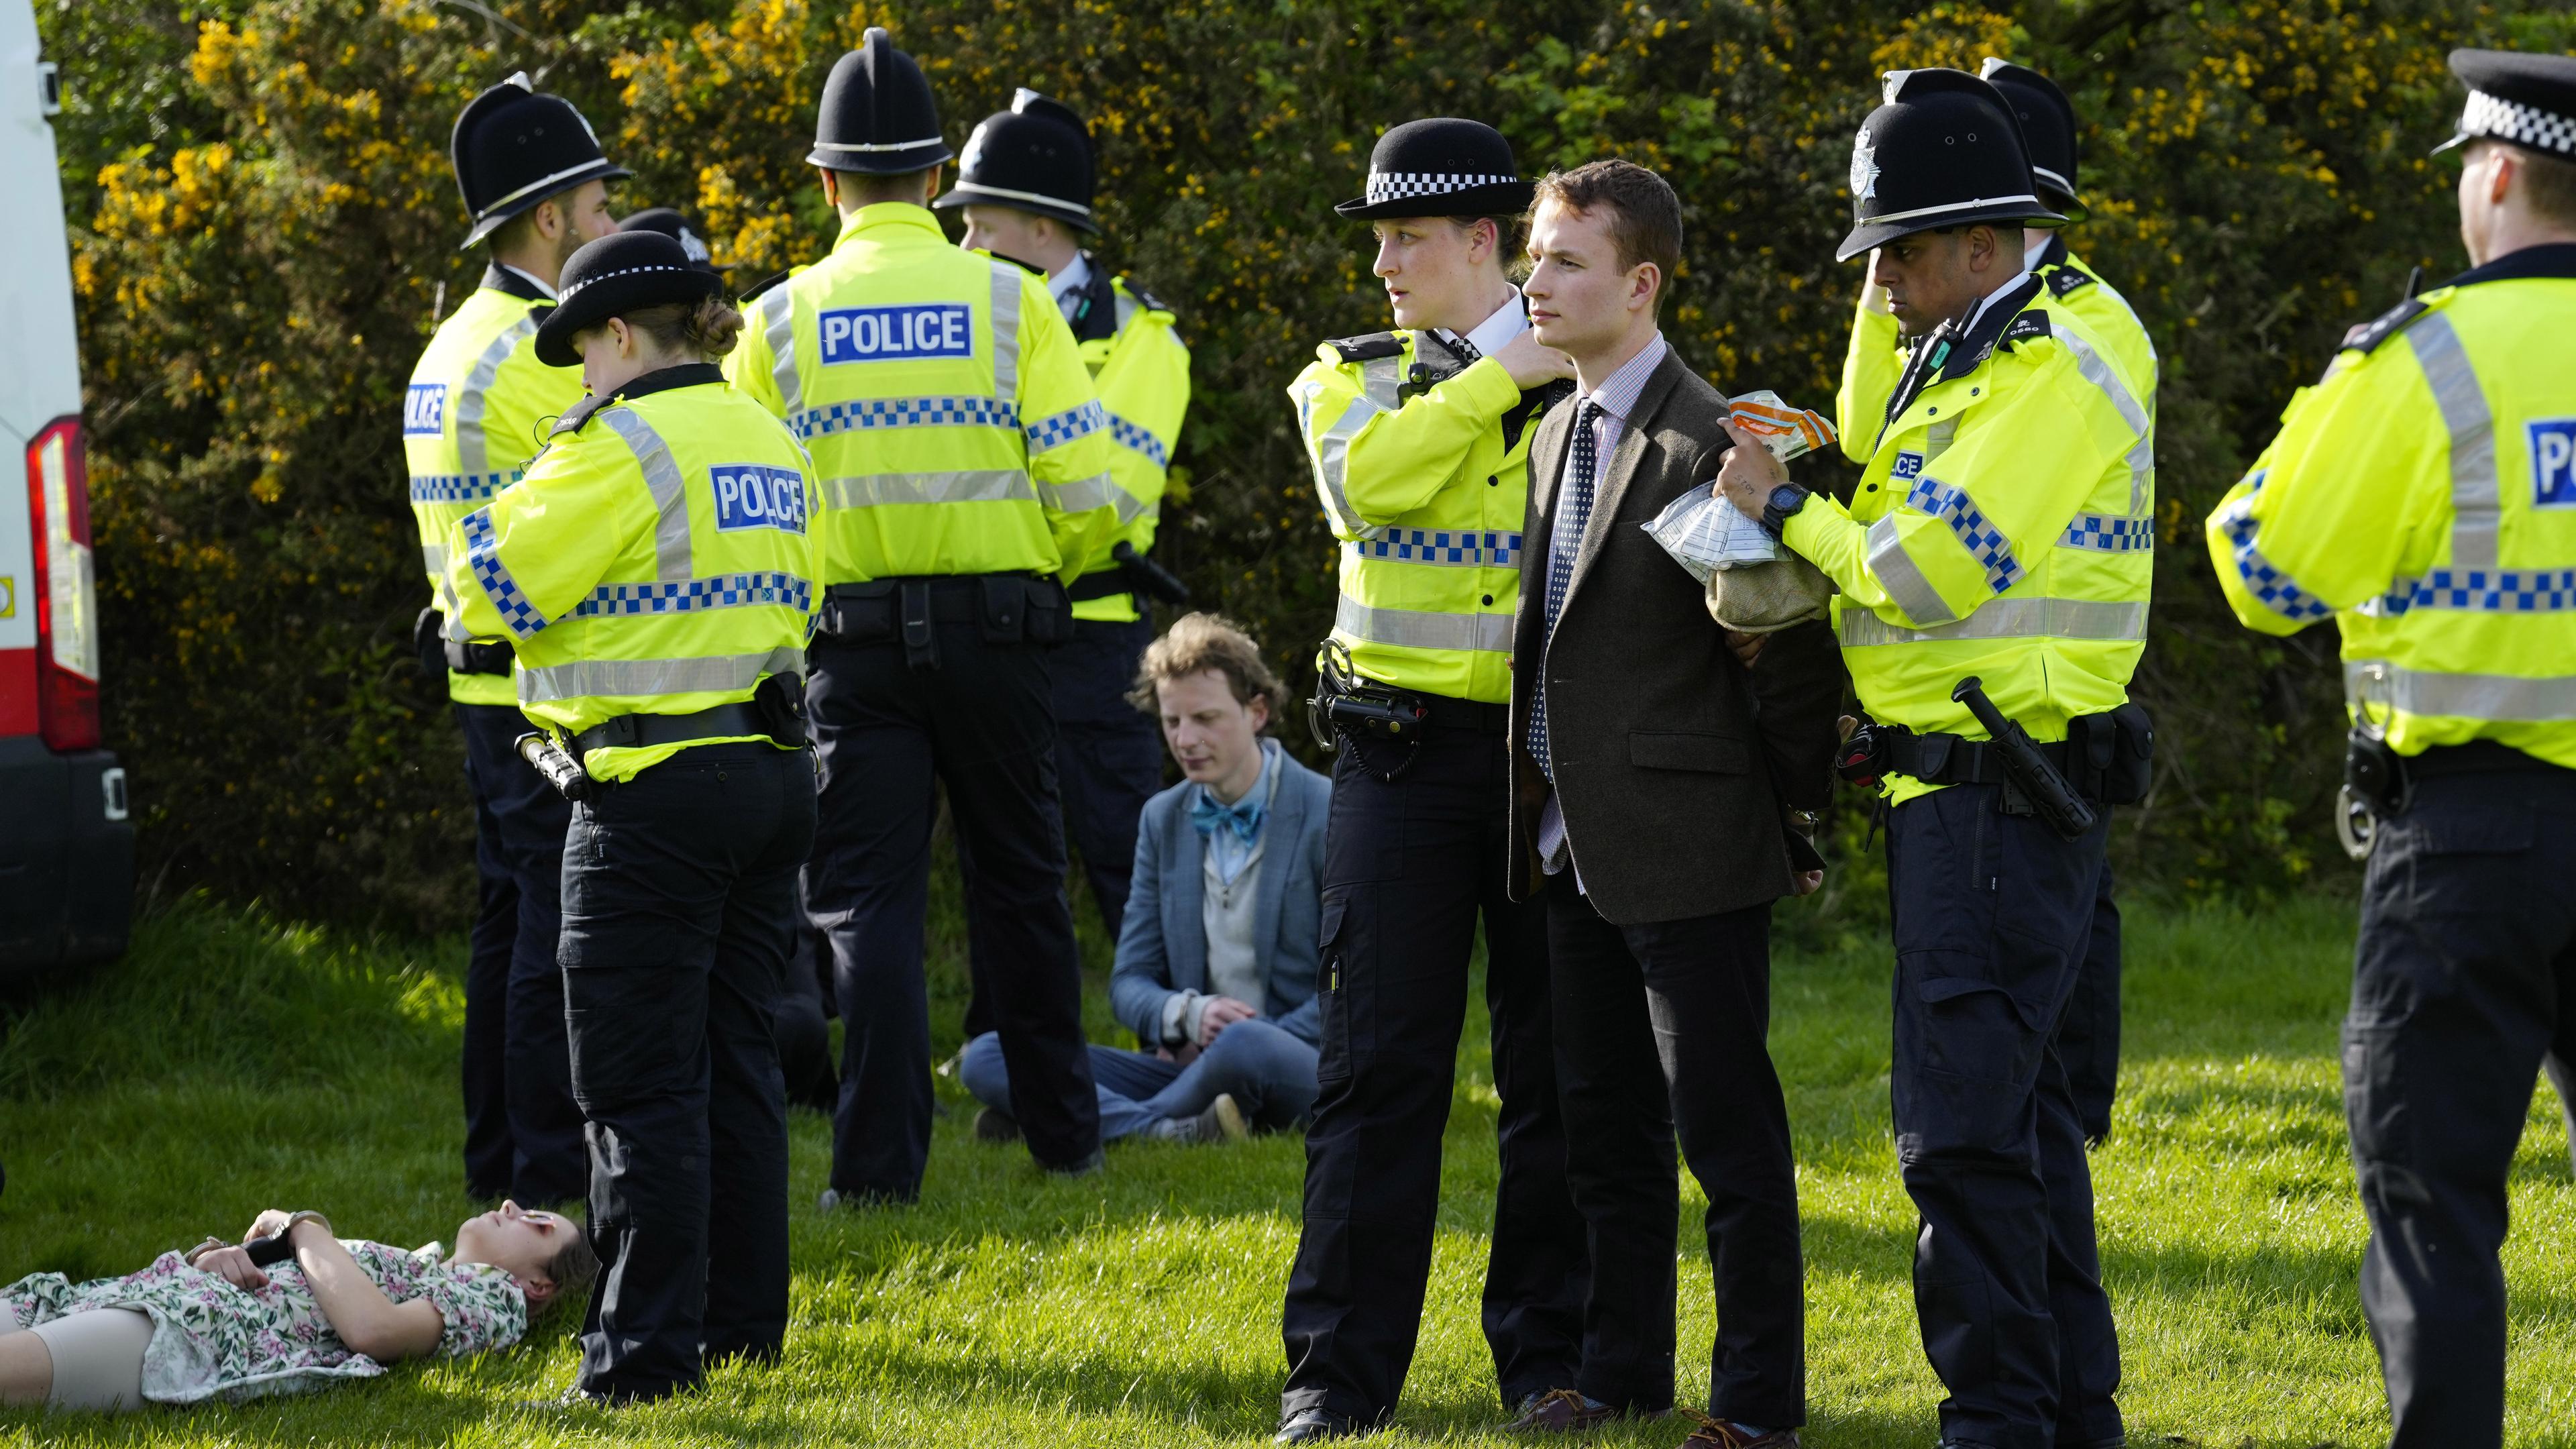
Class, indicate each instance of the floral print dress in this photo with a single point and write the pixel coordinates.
(213, 1340)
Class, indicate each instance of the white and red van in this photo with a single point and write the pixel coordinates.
(66, 845)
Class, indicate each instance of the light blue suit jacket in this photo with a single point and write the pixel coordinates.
(1162, 948)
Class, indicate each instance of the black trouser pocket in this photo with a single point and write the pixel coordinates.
(1332, 1001)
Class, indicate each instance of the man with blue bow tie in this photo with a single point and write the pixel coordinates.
(1217, 956)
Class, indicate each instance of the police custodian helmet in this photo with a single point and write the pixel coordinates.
(2047, 126)
(514, 146)
(671, 223)
(1035, 157)
(1441, 166)
(2528, 100)
(1943, 150)
(622, 272)
(877, 114)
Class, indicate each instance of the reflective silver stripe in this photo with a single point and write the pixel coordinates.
(1937, 440)
(1422, 629)
(671, 562)
(433, 559)
(972, 485)
(1382, 380)
(452, 609)
(1333, 464)
(583, 677)
(472, 453)
(1130, 507)
(2008, 619)
(2476, 501)
(1082, 495)
(1897, 572)
(2503, 698)
(1006, 331)
(2142, 453)
(778, 328)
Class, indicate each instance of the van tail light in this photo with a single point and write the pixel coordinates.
(66, 588)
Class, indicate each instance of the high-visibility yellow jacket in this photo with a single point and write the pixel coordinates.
(1984, 536)
(953, 427)
(1142, 370)
(1876, 356)
(662, 556)
(478, 409)
(1426, 489)
(2424, 494)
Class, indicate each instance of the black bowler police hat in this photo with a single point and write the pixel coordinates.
(877, 114)
(670, 223)
(2529, 100)
(514, 147)
(1036, 157)
(1441, 166)
(2047, 125)
(1943, 151)
(619, 273)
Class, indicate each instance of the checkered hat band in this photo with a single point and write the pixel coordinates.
(2503, 120)
(620, 272)
(1385, 186)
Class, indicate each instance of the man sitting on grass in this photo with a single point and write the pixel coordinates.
(1216, 960)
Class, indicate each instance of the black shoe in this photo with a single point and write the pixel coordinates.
(996, 1126)
(833, 1198)
(1313, 1426)
(1085, 1168)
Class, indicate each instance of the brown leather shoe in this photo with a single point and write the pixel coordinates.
(1708, 1433)
(1559, 1411)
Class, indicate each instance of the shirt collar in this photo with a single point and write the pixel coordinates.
(1067, 285)
(1997, 295)
(885, 216)
(1257, 798)
(1496, 332)
(1618, 392)
(532, 279)
(2049, 250)
(2550, 259)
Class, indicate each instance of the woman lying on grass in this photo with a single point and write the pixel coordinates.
(212, 1323)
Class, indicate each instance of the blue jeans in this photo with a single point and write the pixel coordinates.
(1270, 1074)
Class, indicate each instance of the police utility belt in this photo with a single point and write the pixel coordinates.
(440, 655)
(775, 711)
(2105, 759)
(1012, 608)
(1134, 574)
(2379, 783)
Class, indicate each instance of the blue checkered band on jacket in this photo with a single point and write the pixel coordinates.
(1129, 435)
(1440, 546)
(483, 553)
(1985, 542)
(1581, 470)
(725, 591)
(2485, 591)
(2278, 591)
(459, 487)
(2107, 533)
(1066, 426)
(905, 412)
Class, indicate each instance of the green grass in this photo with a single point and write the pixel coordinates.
(233, 1063)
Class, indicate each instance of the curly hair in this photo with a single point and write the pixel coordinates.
(1199, 642)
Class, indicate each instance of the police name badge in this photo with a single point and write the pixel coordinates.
(755, 495)
(1864, 172)
(2553, 462)
(898, 334)
(425, 410)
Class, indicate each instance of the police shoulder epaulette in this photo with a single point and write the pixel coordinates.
(1152, 303)
(763, 285)
(2030, 326)
(2063, 280)
(2386, 325)
(580, 413)
(1368, 347)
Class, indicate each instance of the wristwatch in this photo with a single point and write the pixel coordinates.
(1781, 506)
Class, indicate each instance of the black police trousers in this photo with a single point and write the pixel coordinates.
(2088, 1040)
(1108, 754)
(979, 723)
(1662, 1032)
(522, 1131)
(679, 900)
(1992, 914)
(1409, 867)
(2465, 977)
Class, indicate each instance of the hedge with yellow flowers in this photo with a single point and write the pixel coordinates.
(264, 231)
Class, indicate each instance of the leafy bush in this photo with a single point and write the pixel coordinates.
(266, 234)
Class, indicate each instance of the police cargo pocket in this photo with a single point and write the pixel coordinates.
(1332, 1002)
(860, 613)
(1046, 612)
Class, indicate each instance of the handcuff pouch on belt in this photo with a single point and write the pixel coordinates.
(1349, 707)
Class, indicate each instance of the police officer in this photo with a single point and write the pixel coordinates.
(1025, 185)
(535, 186)
(2424, 496)
(2085, 307)
(671, 222)
(656, 572)
(1420, 443)
(1963, 555)
(966, 463)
